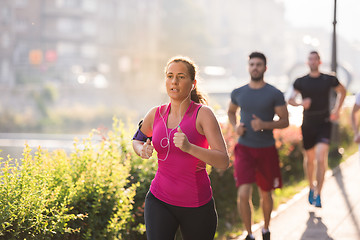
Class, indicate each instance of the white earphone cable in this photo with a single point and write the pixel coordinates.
(168, 134)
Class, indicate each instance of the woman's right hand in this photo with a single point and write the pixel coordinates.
(147, 149)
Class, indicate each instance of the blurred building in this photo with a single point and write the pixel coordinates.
(20, 31)
(65, 41)
(121, 44)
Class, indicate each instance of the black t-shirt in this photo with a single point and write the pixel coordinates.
(318, 89)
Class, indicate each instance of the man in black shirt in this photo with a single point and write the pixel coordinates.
(315, 89)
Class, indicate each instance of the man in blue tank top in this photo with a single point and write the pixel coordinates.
(256, 158)
(315, 89)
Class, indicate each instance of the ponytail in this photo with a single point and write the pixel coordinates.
(198, 97)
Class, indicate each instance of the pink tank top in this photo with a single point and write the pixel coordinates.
(181, 179)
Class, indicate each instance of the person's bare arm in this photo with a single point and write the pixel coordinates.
(306, 102)
(340, 97)
(292, 100)
(355, 123)
(145, 149)
(232, 114)
(239, 128)
(257, 124)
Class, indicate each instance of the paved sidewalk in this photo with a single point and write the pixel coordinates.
(338, 219)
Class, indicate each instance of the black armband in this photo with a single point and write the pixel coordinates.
(139, 135)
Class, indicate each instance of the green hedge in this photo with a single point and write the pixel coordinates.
(86, 195)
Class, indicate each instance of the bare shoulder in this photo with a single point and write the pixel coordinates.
(152, 111)
(205, 111)
(206, 115)
(148, 122)
(151, 114)
(205, 119)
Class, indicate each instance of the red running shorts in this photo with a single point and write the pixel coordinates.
(260, 165)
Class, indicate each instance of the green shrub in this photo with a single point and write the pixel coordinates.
(101, 190)
(87, 195)
(289, 145)
(30, 205)
(142, 172)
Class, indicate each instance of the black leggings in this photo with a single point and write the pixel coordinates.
(162, 220)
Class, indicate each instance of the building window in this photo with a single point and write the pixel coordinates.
(21, 3)
(5, 16)
(89, 28)
(89, 5)
(65, 25)
(21, 25)
(66, 49)
(88, 50)
(68, 3)
(5, 40)
(5, 70)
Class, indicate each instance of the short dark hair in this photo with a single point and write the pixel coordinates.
(258, 55)
(315, 52)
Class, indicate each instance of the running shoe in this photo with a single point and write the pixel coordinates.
(266, 236)
(249, 238)
(318, 201)
(311, 196)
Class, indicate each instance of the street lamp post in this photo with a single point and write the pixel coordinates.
(335, 125)
(333, 55)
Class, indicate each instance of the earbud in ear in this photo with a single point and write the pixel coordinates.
(193, 86)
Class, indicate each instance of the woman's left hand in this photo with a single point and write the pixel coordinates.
(181, 141)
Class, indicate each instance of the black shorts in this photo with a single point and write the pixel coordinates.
(315, 131)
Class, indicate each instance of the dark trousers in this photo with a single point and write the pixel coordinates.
(162, 220)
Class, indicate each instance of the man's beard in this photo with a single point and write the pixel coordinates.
(314, 69)
(257, 78)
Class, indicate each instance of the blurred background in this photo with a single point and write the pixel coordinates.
(68, 66)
